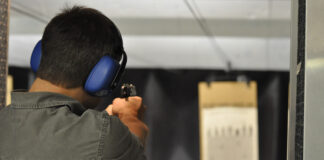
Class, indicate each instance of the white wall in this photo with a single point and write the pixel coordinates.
(251, 34)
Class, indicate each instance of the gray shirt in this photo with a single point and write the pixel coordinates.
(46, 126)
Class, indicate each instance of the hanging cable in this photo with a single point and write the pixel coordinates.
(209, 34)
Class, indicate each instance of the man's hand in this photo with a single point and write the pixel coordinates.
(130, 112)
(125, 107)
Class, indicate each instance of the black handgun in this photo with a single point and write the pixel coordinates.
(128, 90)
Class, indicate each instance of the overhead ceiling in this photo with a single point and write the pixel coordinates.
(248, 34)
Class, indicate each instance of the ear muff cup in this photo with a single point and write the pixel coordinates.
(36, 56)
(102, 75)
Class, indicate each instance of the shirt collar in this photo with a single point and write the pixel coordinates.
(44, 100)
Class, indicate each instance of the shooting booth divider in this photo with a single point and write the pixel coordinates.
(4, 17)
(228, 120)
(306, 111)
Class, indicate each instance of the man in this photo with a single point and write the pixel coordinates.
(54, 120)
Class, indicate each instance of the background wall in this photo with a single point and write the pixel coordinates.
(174, 34)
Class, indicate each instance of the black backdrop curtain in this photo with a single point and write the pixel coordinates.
(172, 114)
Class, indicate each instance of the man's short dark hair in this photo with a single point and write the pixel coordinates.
(73, 42)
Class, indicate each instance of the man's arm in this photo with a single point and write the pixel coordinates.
(119, 143)
(127, 111)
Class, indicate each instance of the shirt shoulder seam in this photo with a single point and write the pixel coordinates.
(103, 134)
(40, 105)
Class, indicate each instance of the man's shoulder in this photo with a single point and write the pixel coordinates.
(54, 130)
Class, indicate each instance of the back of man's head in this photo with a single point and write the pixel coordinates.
(73, 42)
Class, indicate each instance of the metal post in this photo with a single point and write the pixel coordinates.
(306, 127)
(4, 14)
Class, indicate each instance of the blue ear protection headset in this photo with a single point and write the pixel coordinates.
(103, 78)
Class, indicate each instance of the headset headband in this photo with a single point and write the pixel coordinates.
(120, 71)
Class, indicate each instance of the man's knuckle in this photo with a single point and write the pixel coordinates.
(116, 100)
(137, 98)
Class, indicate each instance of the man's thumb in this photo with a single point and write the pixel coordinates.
(109, 110)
